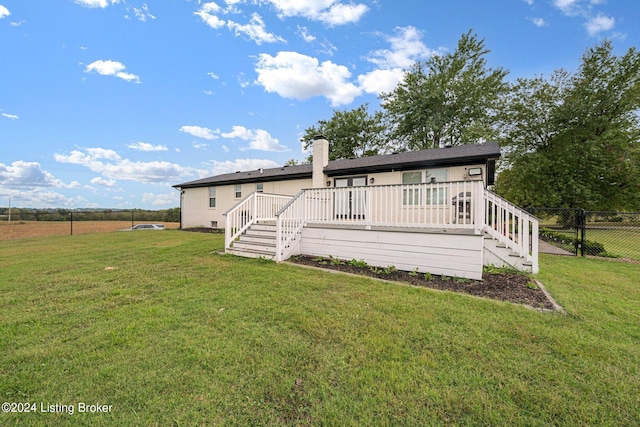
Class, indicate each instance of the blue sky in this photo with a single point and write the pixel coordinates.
(108, 103)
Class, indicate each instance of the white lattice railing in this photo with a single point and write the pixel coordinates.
(513, 227)
(255, 207)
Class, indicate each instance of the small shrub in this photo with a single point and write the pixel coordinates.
(428, 276)
(390, 269)
(359, 263)
(335, 261)
(414, 273)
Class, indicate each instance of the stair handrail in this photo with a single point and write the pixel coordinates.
(512, 226)
(238, 218)
(290, 220)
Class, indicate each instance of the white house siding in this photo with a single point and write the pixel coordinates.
(444, 253)
(195, 201)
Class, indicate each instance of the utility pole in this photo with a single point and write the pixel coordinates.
(9, 209)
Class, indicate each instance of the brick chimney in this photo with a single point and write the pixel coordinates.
(320, 160)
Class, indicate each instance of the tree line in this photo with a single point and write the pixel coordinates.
(569, 140)
(138, 215)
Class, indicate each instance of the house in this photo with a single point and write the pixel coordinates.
(426, 210)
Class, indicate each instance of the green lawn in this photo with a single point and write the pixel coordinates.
(168, 333)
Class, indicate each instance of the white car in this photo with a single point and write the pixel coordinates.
(146, 227)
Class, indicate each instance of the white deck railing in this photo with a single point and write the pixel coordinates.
(439, 204)
(449, 205)
(513, 227)
(254, 207)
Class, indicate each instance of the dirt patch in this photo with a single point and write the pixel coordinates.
(25, 229)
(510, 287)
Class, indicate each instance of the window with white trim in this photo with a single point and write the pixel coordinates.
(238, 191)
(259, 187)
(212, 197)
(422, 194)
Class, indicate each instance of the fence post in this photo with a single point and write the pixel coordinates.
(132, 213)
(583, 230)
(71, 221)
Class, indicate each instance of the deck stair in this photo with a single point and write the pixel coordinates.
(258, 241)
(499, 255)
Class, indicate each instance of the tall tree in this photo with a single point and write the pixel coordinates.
(573, 141)
(354, 133)
(450, 99)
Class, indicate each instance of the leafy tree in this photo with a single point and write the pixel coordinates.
(573, 141)
(291, 162)
(449, 99)
(354, 133)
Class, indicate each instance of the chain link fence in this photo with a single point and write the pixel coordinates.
(589, 233)
(21, 223)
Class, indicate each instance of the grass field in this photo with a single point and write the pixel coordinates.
(169, 333)
(24, 229)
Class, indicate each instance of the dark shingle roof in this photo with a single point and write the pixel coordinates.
(459, 155)
(451, 156)
(259, 175)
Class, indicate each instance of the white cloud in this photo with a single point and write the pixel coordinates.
(103, 182)
(381, 81)
(28, 175)
(4, 12)
(241, 165)
(255, 30)
(161, 199)
(39, 198)
(208, 13)
(96, 3)
(145, 146)
(341, 14)
(304, 33)
(599, 24)
(328, 11)
(529, 2)
(200, 132)
(111, 68)
(259, 139)
(297, 76)
(10, 116)
(539, 22)
(213, 75)
(406, 49)
(110, 165)
(142, 14)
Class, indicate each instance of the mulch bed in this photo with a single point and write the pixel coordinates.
(511, 287)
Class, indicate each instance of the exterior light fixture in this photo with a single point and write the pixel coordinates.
(329, 183)
(372, 180)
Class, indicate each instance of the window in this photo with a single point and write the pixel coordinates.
(238, 191)
(439, 195)
(259, 187)
(411, 196)
(212, 197)
(424, 194)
